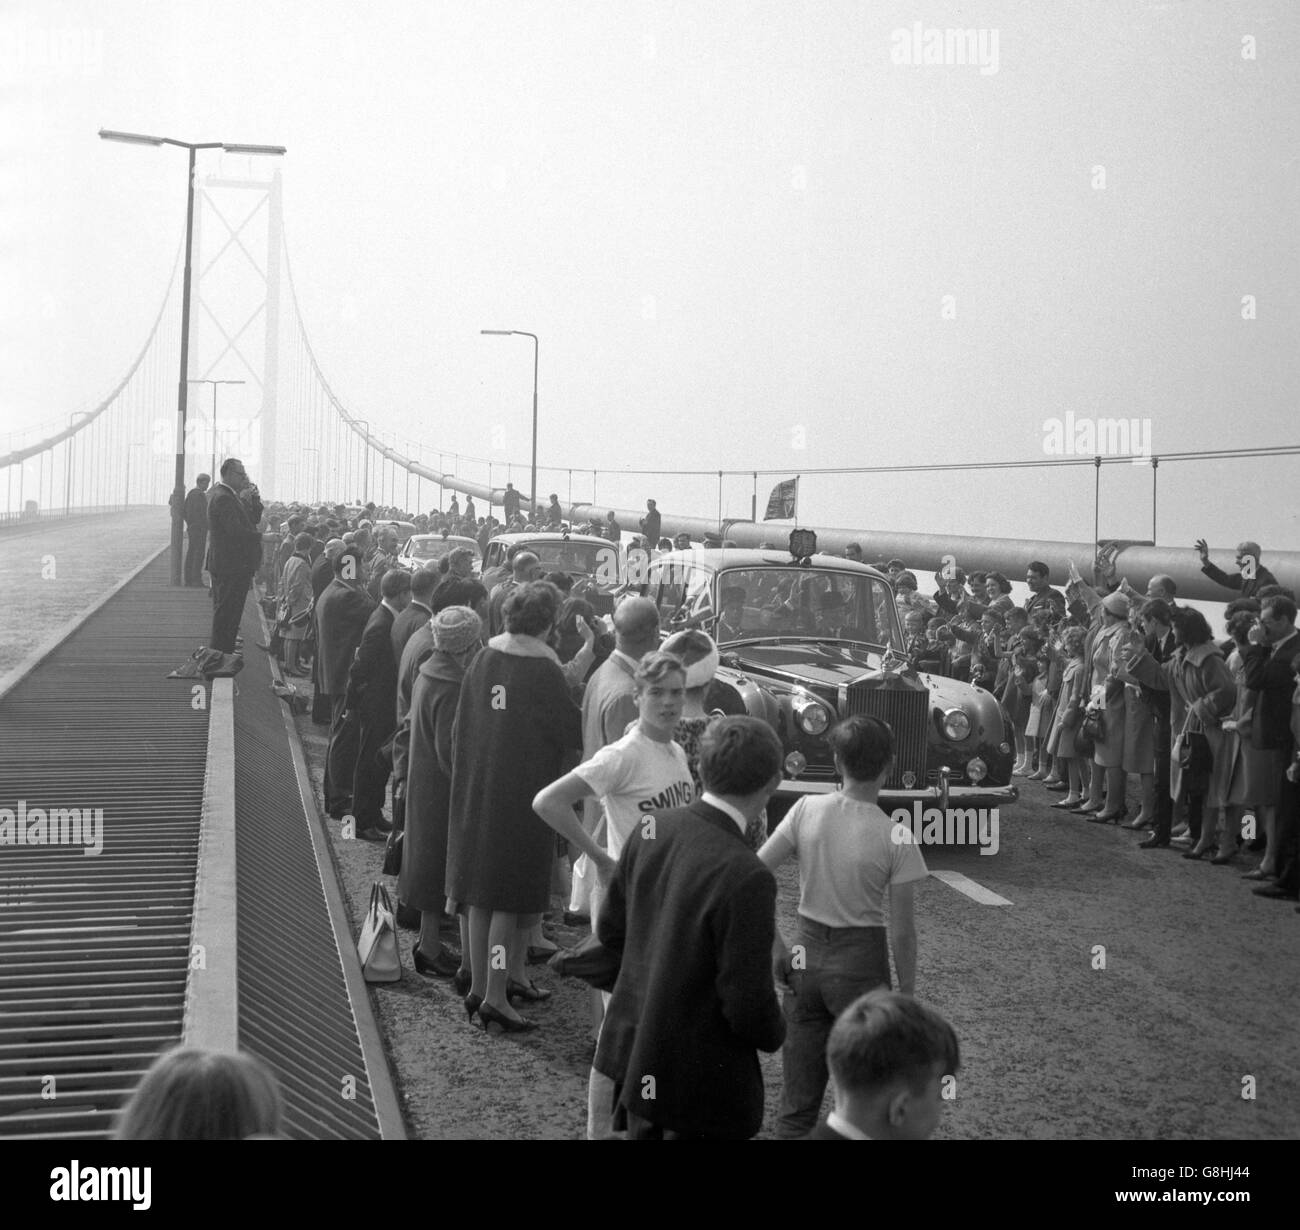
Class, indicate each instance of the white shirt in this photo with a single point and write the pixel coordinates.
(837, 1123)
(847, 859)
(713, 801)
(634, 777)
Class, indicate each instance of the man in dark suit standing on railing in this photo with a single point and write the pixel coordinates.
(235, 550)
(196, 527)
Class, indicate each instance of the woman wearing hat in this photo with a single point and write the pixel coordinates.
(1108, 698)
(422, 883)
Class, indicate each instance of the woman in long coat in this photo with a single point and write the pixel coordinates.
(517, 730)
(423, 880)
(295, 601)
(1108, 696)
(1256, 773)
(1201, 694)
(1139, 751)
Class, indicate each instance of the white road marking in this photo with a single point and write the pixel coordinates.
(964, 884)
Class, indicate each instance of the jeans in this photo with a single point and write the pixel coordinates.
(840, 963)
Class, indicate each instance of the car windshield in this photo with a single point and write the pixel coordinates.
(800, 602)
(436, 548)
(582, 558)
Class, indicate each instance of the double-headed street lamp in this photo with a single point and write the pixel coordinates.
(214, 384)
(136, 138)
(532, 495)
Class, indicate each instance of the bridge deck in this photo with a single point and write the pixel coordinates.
(96, 948)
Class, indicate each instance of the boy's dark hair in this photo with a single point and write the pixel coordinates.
(423, 583)
(739, 756)
(457, 591)
(1039, 567)
(395, 583)
(864, 744)
(885, 1036)
(1191, 626)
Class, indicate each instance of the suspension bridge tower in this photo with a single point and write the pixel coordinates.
(235, 320)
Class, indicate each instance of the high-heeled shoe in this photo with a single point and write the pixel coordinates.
(1153, 843)
(1066, 804)
(1086, 809)
(1110, 817)
(529, 991)
(1197, 853)
(1223, 858)
(462, 980)
(473, 1004)
(494, 1016)
(1138, 822)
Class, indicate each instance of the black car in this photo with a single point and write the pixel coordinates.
(808, 639)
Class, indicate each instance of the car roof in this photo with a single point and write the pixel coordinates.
(456, 538)
(554, 536)
(719, 558)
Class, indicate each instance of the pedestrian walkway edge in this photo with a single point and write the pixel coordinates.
(212, 992)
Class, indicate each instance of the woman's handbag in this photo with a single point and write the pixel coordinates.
(1195, 756)
(377, 946)
(1094, 726)
(393, 853)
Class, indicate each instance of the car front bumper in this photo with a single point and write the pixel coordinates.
(957, 796)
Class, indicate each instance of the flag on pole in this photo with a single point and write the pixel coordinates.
(781, 503)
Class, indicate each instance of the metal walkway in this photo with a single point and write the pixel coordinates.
(96, 949)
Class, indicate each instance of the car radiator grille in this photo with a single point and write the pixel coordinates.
(907, 711)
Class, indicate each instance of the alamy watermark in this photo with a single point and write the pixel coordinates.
(953, 826)
(925, 45)
(55, 826)
(1081, 436)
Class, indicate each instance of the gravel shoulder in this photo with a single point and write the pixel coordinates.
(1124, 994)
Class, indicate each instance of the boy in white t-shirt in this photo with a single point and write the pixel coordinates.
(848, 857)
(642, 773)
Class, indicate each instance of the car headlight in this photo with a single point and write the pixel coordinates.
(955, 725)
(795, 763)
(811, 715)
(976, 770)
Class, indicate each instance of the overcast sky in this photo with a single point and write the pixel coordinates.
(733, 225)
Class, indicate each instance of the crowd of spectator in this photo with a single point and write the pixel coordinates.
(1108, 687)
(434, 685)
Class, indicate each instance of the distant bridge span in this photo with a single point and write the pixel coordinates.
(1138, 562)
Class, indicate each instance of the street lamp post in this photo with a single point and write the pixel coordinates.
(532, 495)
(365, 481)
(178, 488)
(214, 384)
